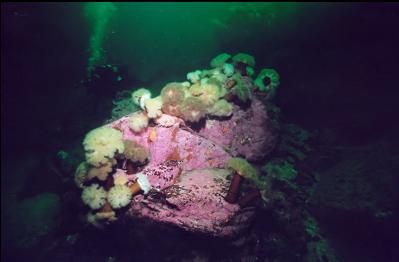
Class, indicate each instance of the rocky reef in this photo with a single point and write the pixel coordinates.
(174, 153)
(198, 159)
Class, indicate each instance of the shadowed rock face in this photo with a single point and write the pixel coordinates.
(363, 182)
(187, 171)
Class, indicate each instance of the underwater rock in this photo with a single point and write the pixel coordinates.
(249, 132)
(175, 143)
(363, 182)
(195, 131)
(195, 203)
(189, 180)
(31, 219)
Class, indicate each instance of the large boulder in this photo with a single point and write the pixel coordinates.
(195, 202)
(188, 174)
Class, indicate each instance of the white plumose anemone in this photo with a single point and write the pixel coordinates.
(119, 196)
(101, 144)
(94, 196)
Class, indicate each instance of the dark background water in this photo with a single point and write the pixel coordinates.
(338, 65)
(337, 62)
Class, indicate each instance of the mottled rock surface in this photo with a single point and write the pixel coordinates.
(187, 174)
(195, 203)
(187, 170)
(248, 133)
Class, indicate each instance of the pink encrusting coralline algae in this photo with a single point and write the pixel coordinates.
(174, 143)
(188, 176)
(249, 133)
(195, 203)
